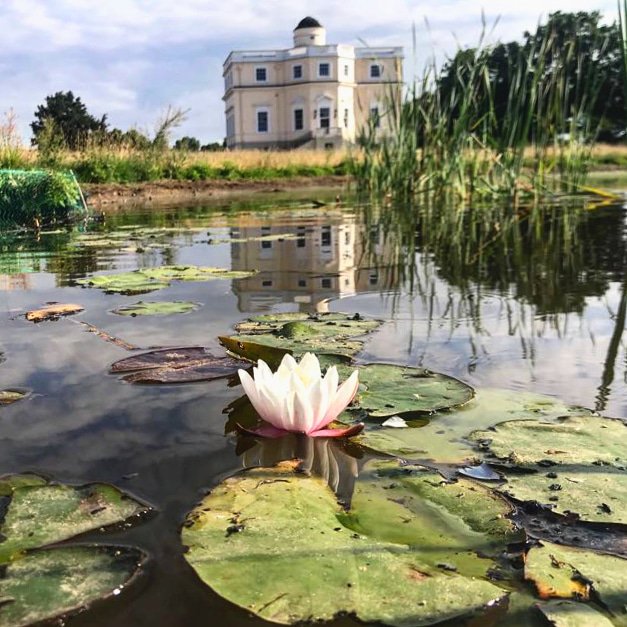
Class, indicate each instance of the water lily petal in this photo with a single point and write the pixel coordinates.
(339, 433)
(345, 394)
(319, 399)
(249, 385)
(303, 412)
(309, 369)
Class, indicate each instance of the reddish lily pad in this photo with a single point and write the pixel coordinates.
(177, 365)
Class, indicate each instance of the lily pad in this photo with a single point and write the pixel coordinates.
(150, 279)
(444, 437)
(563, 572)
(53, 311)
(177, 365)
(8, 397)
(41, 513)
(386, 390)
(157, 308)
(572, 614)
(52, 583)
(252, 351)
(288, 527)
(40, 583)
(593, 493)
(574, 440)
(453, 526)
(300, 333)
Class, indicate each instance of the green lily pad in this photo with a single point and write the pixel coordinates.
(443, 437)
(574, 440)
(124, 283)
(184, 364)
(572, 614)
(453, 526)
(563, 572)
(300, 333)
(39, 513)
(44, 583)
(594, 493)
(387, 390)
(51, 583)
(258, 238)
(157, 308)
(150, 279)
(252, 351)
(289, 528)
(8, 397)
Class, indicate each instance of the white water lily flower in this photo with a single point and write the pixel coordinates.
(297, 398)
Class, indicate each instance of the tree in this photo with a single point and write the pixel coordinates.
(190, 144)
(70, 118)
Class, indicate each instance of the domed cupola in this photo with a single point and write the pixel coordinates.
(309, 32)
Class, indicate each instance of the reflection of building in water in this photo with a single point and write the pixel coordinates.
(20, 281)
(315, 264)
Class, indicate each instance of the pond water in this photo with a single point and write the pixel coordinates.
(548, 320)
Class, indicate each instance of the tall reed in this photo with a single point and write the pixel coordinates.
(458, 135)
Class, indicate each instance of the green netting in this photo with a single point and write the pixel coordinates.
(33, 197)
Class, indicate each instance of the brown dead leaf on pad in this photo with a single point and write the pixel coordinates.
(177, 365)
(53, 311)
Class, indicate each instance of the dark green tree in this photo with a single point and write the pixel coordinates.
(190, 144)
(70, 118)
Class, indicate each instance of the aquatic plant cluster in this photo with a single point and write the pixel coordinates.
(520, 124)
(433, 526)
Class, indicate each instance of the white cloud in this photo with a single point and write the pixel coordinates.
(130, 58)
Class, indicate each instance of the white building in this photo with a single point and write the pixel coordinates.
(311, 95)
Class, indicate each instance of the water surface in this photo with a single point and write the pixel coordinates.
(548, 321)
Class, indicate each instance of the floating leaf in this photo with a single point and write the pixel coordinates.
(39, 584)
(42, 513)
(252, 351)
(53, 311)
(157, 308)
(563, 572)
(288, 527)
(177, 365)
(443, 437)
(150, 279)
(594, 493)
(574, 440)
(448, 523)
(300, 333)
(8, 397)
(54, 582)
(387, 390)
(572, 614)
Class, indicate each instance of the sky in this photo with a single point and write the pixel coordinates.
(131, 59)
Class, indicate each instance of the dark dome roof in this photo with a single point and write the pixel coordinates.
(308, 22)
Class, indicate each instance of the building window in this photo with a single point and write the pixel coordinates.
(301, 241)
(267, 283)
(345, 118)
(299, 120)
(297, 71)
(375, 70)
(263, 121)
(325, 240)
(324, 69)
(302, 283)
(326, 284)
(261, 74)
(230, 126)
(375, 116)
(325, 117)
(345, 70)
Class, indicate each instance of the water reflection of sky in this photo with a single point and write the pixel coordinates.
(167, 444)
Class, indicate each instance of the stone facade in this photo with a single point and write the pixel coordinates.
(312, 95)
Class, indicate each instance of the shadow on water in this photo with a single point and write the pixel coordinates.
(499, 298)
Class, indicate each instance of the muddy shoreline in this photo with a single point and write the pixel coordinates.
(110, 195)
